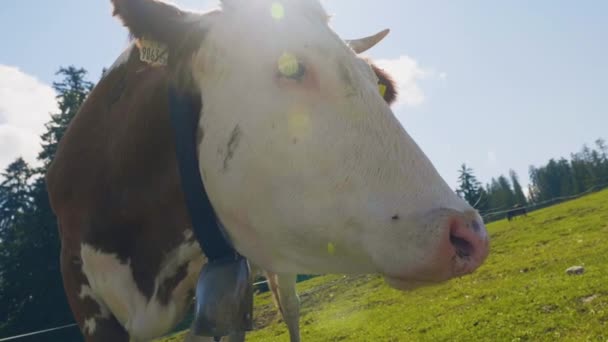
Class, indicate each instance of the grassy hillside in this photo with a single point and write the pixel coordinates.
(522, 293)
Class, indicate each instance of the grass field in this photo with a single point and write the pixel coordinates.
(522, 293)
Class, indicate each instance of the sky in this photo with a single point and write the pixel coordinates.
(496, 85)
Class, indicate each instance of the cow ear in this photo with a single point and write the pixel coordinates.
(153, 19)
(157, 21)
(165, 35)
(386, 85)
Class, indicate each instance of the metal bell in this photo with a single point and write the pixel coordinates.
(224, 298)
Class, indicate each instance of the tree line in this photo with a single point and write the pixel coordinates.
(583, 171)
(31, 287)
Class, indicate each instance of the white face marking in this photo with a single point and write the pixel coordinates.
(112, 283)
(319, 160)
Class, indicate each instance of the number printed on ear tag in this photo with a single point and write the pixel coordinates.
(153, 52)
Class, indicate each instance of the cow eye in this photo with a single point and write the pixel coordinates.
(290, 67)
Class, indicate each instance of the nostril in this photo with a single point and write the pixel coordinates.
(464, 248)
(476, 226)
(464, 238)
(468, 243)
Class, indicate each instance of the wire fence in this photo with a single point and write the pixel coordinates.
(39, 332)
(500, 213)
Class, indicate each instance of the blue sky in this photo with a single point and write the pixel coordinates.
(497, 85)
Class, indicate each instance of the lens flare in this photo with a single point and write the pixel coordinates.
(277, 11)
(288, 65)
(331, 248)
(299, 122)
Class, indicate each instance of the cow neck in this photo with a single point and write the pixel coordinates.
(205, 223)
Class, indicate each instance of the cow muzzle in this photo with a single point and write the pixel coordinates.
(462, 248)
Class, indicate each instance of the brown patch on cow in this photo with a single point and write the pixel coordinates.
(390, 95)
(233, 143)
(116, 168)
(166, 287)
(117, 91)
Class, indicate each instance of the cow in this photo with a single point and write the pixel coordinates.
(517, 210)
(305, 164)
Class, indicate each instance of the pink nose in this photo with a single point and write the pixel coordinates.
(469, 240)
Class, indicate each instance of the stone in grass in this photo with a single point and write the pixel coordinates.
(575, 270)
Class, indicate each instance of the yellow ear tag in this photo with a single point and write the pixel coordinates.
(153, 52)
(382, 89)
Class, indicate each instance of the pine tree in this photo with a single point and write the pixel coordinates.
(15, 190)
(534, 191)
(568, 186)
(71, 93)
(601, 145)
(590, 160)
(582, 170)
(469, 187)
(493, 190)
(532, 194)
(519, 196)
(507, 197)
(603, 152)
(552, 186)
(499, 193)
(15, 206)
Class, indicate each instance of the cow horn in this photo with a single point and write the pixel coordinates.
(363, 44)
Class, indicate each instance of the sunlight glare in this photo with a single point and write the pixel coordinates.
(288, 65)
(299, 122)
(331, 249)
(277, 10)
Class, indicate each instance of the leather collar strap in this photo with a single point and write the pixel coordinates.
(205, 223)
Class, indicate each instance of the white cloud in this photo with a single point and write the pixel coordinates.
(408, 73)
(25, 104)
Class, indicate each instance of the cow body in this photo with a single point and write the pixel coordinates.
(305, 164)
(129, 258)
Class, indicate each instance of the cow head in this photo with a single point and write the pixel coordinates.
(302, 157)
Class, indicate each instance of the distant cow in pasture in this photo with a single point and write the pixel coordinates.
(517, 210)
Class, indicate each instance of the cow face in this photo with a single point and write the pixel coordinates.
(302, 157)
